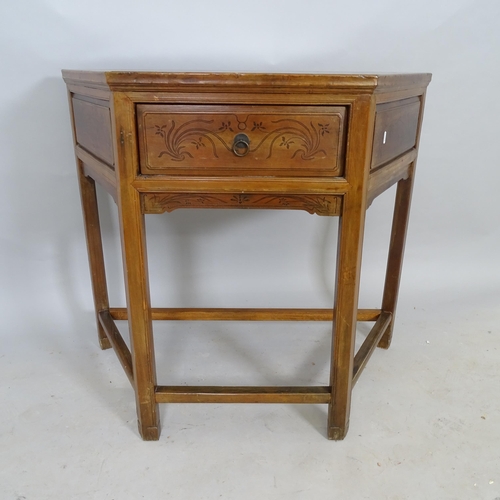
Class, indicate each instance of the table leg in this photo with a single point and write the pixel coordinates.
(94, 247)
(396, 251)
(351, 226)
(133, 238)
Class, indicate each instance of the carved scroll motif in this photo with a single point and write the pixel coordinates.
(301, 139)
(314, 204)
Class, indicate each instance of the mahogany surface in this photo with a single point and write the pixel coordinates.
(326, 144)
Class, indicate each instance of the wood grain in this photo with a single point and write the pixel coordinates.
(243, 185)
(398, 240)
(100, 172)
(395, 132)
(118, 344)
(383, 178)
(93, 128)
(199, 140)
(233, 314)
(133, 238)
(252, 83)
(369, 345)
(350, 243)
(94, 250)
(93, 238)
(312, 203)
(242, 394)
(328, 144)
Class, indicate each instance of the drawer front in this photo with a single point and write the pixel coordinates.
(396, 125)
(241, 140)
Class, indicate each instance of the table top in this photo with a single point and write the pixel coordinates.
(141, 80)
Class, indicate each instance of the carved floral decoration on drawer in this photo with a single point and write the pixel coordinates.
(301, 139)
(314, 204)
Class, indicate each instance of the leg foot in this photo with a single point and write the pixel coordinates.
(149, 433)
(385, 341)
(338, 433)
(104, 343)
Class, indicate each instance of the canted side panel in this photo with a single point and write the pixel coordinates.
(92, 119)
(200, 140)
(396, 125)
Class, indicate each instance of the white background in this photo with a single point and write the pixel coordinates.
(224, 257)
(245, 258)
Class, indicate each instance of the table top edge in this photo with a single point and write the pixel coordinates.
(141, 80)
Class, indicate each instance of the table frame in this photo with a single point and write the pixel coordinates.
(354, 193)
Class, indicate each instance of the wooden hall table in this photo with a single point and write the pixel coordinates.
(327, 144)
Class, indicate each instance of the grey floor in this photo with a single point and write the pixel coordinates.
(425, 414)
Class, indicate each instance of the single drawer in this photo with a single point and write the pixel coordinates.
(241, 140)
(396, 125)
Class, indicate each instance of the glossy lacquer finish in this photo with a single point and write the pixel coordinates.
(326, 144)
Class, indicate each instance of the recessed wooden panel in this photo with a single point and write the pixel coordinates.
(396, 125)
(93, 128)
(199, 140)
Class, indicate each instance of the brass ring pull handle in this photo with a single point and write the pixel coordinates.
(241, 145)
